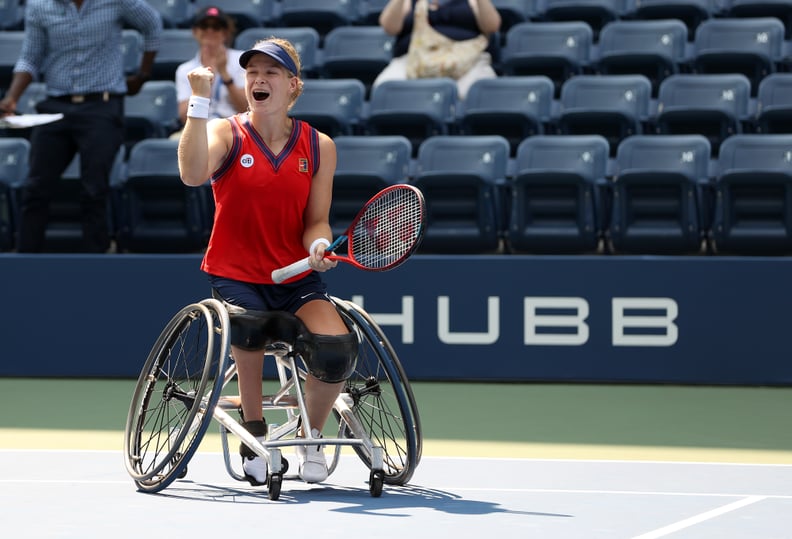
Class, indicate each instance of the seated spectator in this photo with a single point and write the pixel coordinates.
(214, 31)
(466, 25)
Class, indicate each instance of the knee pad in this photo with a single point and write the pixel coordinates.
(331, 358)
(254, 330)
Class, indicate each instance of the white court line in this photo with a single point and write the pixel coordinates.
(682, 524)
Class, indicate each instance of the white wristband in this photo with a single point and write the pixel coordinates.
(198, 107)
(316, 243)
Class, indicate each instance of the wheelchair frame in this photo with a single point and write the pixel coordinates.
(179, 392)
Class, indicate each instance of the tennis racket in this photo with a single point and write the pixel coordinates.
(384, 233)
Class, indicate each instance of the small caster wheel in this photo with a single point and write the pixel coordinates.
(376, 480)
(284, 466)
(274, 482)
(175, 462)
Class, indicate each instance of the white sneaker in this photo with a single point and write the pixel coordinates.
(255, 469)
(313, 465)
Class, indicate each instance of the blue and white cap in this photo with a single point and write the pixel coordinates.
(273, 50)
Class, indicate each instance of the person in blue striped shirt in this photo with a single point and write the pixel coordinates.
(74, 46)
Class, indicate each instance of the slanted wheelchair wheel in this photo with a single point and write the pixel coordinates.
(382, 400)
(176, 394)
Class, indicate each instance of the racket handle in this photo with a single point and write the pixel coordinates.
(287, 272)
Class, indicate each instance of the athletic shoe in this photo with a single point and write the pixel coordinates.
(255, 467)
(313, 465)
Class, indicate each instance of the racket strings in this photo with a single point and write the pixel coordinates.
(388, 229)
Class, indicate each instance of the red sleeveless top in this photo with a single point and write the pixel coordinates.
(260, 199)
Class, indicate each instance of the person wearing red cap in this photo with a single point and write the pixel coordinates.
(214, 31)
(272, 181)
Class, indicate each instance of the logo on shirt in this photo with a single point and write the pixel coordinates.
(246, 160)
(302, 164)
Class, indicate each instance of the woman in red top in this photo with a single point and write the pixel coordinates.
(272, 180)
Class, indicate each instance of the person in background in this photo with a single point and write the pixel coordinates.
(272, 181)
(74, 46)
(214, 31)
(456, 19)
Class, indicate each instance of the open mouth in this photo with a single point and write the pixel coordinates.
(260, 95)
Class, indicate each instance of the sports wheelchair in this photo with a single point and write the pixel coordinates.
(183, 383)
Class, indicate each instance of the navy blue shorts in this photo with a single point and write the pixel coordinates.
(270, 297)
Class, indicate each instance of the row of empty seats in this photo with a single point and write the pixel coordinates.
(661, 194)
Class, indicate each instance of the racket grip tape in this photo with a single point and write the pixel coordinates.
(287, 272)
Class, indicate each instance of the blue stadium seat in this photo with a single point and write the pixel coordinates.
(753, 47)
(14, 153)
(555, 203)
(417, 109)
(177, 46)
(753, 196)
(333, 106)
(12, 15)
(10, 47)
(513, 107)
(155, 212)
(658, 195)
(365, 166)
(323, 16)
(131, 49)
(305, 40)
(461, 178)
(780, 9)
(614, 106)
(557, 50)
(370, 11)
(690, 12)
(715, 106)
(774, 104)
(595, 13)
(359, 52)
(174, 13)
(151, 113)
(515, 12)
(655, 49)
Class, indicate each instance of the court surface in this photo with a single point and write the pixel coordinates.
(523, 461)
(87, 494)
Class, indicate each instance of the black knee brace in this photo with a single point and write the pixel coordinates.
(254, 330)
(331, 358)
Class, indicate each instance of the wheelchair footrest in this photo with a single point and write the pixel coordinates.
(234, 402)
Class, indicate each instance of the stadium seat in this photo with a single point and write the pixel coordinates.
(557, 50)
(595, 13)
(774, 104)
(417, 109)
(323, 16)
(155, 212)
(359, 52)
(12, 15)
(131, 49)
(614, 106)
(658, 195)
(753, 47)
(715, 106)
(246, 13)
(655, 49)
(515, 12)
(753, 196)
(513, 107)
(780, 9)
(304, 39)
(365, 166)
(690, 12)
(14, 153)
(555, 203)
(177, 46)
(333, 106)
(151, 113)
(174, 13)
(461, 178)
(10, 47)
(370, 11)
(64, 230)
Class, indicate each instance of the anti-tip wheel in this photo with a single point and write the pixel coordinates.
(376, 481)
